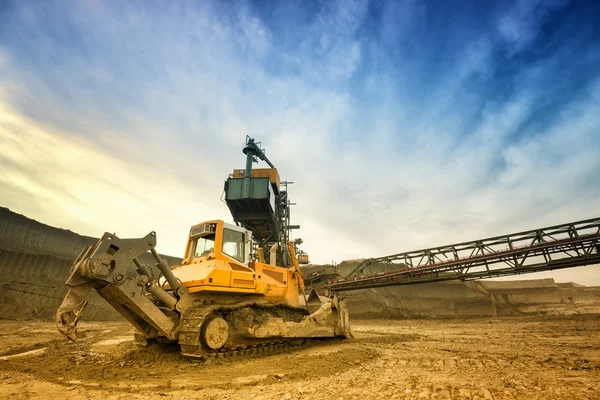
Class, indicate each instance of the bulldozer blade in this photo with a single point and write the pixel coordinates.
(69, 312)
(314, 301)
(330, 320)
(343, 326)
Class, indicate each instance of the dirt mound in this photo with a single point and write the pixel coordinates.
(34, 264)
(345, 267)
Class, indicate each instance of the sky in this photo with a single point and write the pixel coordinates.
(403, 124)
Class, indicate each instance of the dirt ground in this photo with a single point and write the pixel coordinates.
(501, 358)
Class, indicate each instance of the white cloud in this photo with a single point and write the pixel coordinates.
(257, 36)
(71, 183)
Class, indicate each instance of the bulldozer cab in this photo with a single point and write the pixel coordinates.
(218, 240)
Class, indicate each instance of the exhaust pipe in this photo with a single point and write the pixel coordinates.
(273, 254)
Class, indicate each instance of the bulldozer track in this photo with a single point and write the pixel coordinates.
(252, 351)
(189, 331)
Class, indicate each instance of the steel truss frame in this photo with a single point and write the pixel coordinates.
(568, 245)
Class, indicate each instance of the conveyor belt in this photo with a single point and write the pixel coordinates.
(561, 246)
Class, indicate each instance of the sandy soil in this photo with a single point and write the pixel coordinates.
(502, 358)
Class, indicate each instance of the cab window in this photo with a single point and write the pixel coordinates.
(204, 246)
(233, 244)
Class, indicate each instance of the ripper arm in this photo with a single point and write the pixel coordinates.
(112, 268)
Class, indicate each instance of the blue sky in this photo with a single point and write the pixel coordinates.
(404, 124)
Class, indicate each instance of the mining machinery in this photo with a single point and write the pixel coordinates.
(568, 245)
(238, 289)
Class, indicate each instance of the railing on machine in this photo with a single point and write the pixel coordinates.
(561, 246)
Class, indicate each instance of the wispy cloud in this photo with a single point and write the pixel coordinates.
(73, 183)
(520, 24)
(403, 124)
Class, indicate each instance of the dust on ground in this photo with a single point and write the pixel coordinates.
(502, 358)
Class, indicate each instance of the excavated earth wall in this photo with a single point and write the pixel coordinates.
(35, 260)
(475, 299)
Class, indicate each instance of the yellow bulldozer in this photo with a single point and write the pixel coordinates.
(224, 298)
